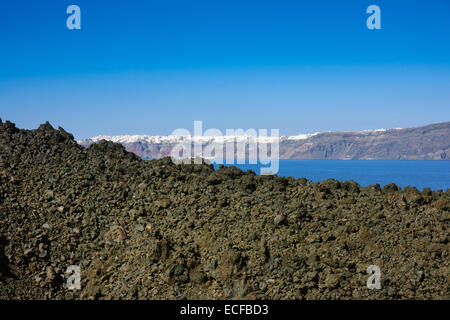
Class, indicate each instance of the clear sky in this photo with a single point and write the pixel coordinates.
(149, 67)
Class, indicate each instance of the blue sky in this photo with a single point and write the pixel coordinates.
(149, 67)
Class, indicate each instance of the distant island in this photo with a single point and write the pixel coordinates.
(431, 142)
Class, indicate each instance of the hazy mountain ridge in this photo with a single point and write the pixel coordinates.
(431, 142)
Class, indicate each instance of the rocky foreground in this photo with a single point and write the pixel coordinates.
(155, 230)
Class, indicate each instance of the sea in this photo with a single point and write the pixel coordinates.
(420, 174)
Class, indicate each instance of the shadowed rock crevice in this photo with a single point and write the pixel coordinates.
(5, 269)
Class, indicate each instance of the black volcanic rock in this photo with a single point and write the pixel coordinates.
(156, 230)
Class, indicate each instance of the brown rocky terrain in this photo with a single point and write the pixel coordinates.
(156, 230)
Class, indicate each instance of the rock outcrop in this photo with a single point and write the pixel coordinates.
(156, 230)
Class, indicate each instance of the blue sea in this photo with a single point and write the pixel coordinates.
(420, 174)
